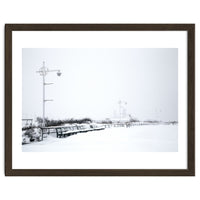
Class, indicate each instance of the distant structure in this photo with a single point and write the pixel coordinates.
(122, 109)
(121, 114)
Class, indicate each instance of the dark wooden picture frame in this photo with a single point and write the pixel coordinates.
(190, 28)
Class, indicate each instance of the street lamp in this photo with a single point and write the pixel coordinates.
(43, 71)
(122, 106)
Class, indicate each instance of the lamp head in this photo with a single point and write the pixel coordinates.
(59, 73)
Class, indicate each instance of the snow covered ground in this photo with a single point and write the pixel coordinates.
(146, 138)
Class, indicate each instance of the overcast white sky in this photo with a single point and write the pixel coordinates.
(94, 80)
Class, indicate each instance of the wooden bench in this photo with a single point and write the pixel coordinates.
(63, 132)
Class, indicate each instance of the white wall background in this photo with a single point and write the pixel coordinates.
(104, 11)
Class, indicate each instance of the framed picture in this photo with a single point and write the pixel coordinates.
(99, 100)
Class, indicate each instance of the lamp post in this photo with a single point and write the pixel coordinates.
(122, 107)
(120, 102)
(43, 71)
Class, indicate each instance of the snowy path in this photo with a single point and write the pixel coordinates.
(149, 138)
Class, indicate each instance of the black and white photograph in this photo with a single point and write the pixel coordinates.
(99, 100)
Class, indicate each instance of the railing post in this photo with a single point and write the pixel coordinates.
(42, 134)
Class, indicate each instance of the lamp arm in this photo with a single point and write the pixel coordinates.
(54, 70)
